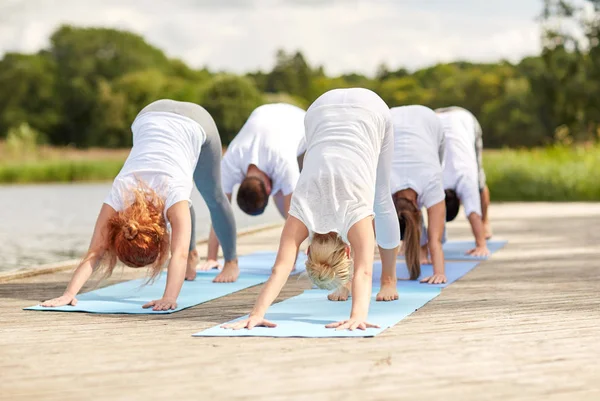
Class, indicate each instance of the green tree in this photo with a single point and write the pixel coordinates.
(86, 56)
(230, 99)
(27, 94)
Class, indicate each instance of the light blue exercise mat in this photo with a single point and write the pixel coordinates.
(307, 314)
(454, 271)
(129, 296)
(457, 249)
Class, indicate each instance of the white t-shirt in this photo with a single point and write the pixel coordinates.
(347, 130)
(418, 154)
(166, 147)
(460, 165)
(272, 139)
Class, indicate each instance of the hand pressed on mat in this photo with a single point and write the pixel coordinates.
(249, 323)
(162, 304)
(63, 300)
(352, 324)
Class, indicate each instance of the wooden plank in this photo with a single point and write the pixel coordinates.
(522, 326)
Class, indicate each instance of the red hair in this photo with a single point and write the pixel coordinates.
(137, 235)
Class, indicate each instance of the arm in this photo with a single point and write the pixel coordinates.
(481, 249)
(436, 216)
(362, 240)
(283, 203)
(294, 233)
(98, 247)
(468, 192)
(213, 248)
(181, 225)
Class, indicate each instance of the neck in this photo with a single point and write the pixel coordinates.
(254, 171)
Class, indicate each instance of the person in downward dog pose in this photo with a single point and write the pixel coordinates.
(174, 145)
(264, 159)
(344, 182)
(464, 177)
(416, 182)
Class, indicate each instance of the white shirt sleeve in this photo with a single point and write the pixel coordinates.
(231, 174)
(285, 175)
(433, 193)
(114, 198)
(387, 226)
(467, 191)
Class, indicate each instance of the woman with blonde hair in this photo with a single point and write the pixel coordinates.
(416, 183)
(344, 183)
(175, 144)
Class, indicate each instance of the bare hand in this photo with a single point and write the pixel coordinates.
(161, 304)
(435, 279)
(249, 323)
(209, 265)
(479, 252)
(352, 324)
(60, 301)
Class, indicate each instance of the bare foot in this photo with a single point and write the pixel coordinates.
(388, 292)
(425, 256)
(229, 274)
(341, 294)
(192, 262)
(487, 227)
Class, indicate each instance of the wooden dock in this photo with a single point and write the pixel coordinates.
(524, 325)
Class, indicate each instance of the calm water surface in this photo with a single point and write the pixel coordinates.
(42, 224)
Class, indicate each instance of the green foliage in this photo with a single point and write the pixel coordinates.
(230, 99)
(59, 171)
(23, 141)
(86, 88)
(556, 173)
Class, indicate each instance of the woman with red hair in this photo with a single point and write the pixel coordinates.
(175, 144)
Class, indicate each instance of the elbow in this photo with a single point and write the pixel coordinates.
(363, 275)
(180, 255)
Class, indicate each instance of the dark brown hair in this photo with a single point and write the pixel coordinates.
(452, 204)
(252, 196)
(137, 235)
(410, 223)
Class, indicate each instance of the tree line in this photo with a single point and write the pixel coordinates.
(87, 86)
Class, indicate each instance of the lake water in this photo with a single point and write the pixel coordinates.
(42, 224)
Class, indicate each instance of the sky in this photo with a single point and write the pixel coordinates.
(342, 35)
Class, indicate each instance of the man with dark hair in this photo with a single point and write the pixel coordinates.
(464, 177)
(264, 160)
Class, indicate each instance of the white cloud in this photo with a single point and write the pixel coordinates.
(342, 35)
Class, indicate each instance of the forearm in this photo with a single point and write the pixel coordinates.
(362, 284)
(437, 256)
(269, 293)
(477, 228)
(213, 245)
(82, 274)
(175, 275)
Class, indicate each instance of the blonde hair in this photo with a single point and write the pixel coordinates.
(328, 265)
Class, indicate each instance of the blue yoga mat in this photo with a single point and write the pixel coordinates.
(457, 249)
(454, 271)
(129, 296)
(307, 314)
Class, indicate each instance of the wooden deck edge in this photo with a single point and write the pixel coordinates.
(69, 264)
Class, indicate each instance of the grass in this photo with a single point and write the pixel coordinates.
(51, 164)
(59, 171)
(550, 174)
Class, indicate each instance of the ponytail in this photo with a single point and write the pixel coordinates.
(410, 219)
